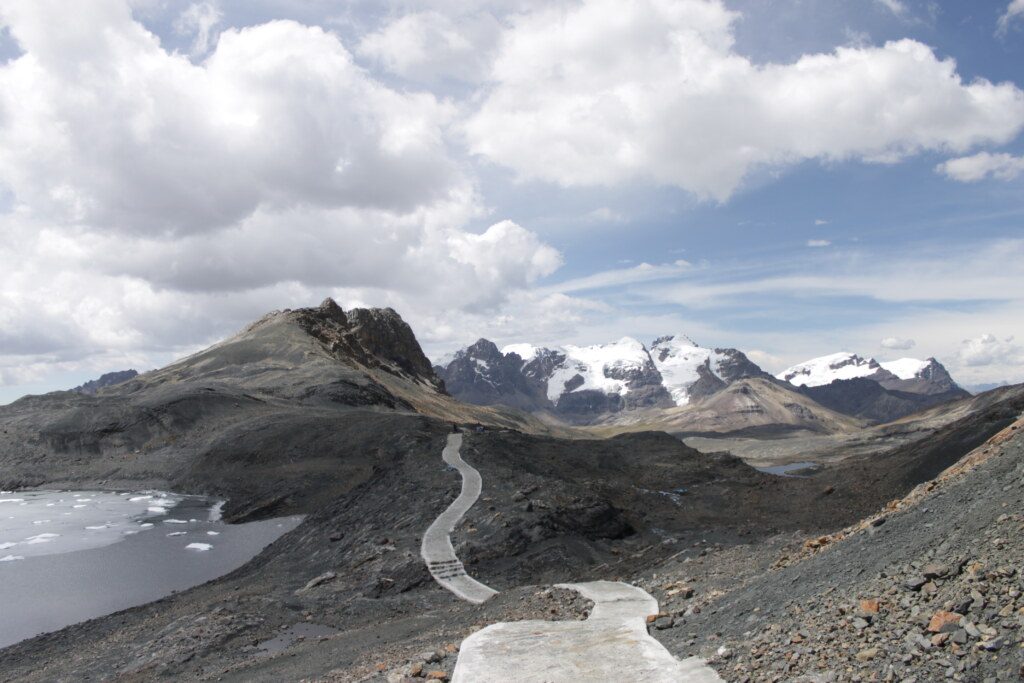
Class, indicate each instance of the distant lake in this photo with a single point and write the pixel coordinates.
(69, 556)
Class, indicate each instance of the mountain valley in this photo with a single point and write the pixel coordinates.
(338, 415)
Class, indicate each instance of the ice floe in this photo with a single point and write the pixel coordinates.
(200, 547)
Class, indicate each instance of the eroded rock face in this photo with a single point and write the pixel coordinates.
(374, 337)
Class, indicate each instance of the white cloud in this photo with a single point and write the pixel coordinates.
(611, 91)
(989, 350)
(821, 221)
(818, 243)
(429, 46)
(159, 205)
(199, 20)
(1013, 11)
(644, 272)
(897, 343)
(897, 7)
(104, 127)
(979, 166)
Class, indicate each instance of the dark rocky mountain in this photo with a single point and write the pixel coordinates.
(106, 380)
(483, 375)
(577, 384)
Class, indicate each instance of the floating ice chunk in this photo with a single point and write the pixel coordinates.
(136, 499)
(78, 506)
(213, 533)
(177, 533)
(157, 509)
(41, 538)
(41, 521)
(12, 500)
(200, 547)
(101, 526)
(175, 521)
(11, 558)
(50, 505)
(5, 546)
(217, 511)
(146, 525)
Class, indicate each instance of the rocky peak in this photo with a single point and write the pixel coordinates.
(374, 337)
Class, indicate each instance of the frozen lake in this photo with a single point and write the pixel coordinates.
(68, 556)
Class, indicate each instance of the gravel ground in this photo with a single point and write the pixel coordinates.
(928, 589)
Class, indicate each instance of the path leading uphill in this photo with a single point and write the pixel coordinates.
(437, 550)
(612, 645)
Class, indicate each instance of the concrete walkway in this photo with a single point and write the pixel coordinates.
(437, 550)
(611, 645)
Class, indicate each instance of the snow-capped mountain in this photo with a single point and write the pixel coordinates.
(906, 374)
(863, 387)
(691, 372)
(587, 384)
(826, 369)
(582, 382)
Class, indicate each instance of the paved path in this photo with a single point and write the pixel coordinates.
(612, 645)
(437, 550)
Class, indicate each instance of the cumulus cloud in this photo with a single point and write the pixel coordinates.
(990, 350)
(104, 127)
(1014, 11)
(198, 21)
(979, 166)
(897, 343)
(430, 46)
(158, 204)
(818, 243)
(675, 104)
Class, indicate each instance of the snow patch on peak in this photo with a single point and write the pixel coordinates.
(586, 367)
(679, 361)
(907, 368)
(826, 369)
(673, 340)
(525, 351)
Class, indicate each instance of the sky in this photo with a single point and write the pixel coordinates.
(787, 177)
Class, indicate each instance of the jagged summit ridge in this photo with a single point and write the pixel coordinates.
(582, 382)
(905, 374)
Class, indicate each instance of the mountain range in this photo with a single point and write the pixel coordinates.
(627, 382)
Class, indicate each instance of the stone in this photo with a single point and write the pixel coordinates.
(868, 607)
(316, 581)
(437, 675)
(959, 637)
(662, 623)
(415, 669)
(934, 570)
(944, 622)
(867, 655)
(860, 624)
(915, 583)
(939, 639)
(992, 645)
